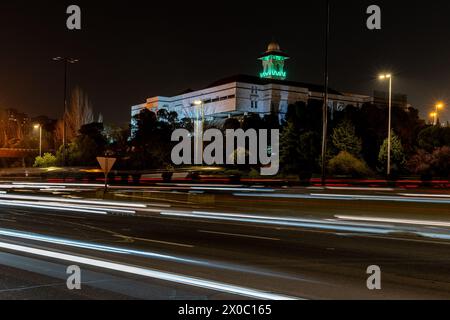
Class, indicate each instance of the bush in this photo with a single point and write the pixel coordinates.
(346, 164)
(428, 164)
(441, 162)
(48, 160)
(420, 164)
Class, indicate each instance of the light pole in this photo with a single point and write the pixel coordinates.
(389, 77)
(39, 126)
(66, 62)
(434, 116)
(437, 107)
(199, 127)
(325, 100)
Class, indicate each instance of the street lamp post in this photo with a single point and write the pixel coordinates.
(325, 100)
(434, 116)
(66, 62)
(199, 127)
(389, 77)
(39, 126)
(438, 106)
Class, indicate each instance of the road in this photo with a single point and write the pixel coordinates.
(223, 242)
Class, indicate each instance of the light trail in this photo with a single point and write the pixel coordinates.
(62, 184)
(50, 207)
(72, 208)
(90, 246)
(425, 195)
(232, 189)
(400, 221)
(291, 222)
(154, 274)
(344, 197)
(238, 235)
(147, 254)
(68, 200)
(329, 225)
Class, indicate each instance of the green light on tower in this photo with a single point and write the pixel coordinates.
(273, 62)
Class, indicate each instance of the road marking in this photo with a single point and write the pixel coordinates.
(400, 221)
(149, 273)
(238, 235)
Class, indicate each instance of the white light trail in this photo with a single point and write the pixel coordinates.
(238, 235)
(400, 221)
(154, 274)
(90, 246)
(344, 197)
(146, 254)
(277, 221)
(50, 207)
(425, 195)
(68, 200)
(231, 189)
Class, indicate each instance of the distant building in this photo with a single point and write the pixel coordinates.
(14, 127)
(241, 95)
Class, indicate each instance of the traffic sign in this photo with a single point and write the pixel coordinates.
(106, 164)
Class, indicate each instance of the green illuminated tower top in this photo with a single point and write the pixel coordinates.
(273, 63)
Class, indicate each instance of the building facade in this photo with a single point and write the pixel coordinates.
(241, 95)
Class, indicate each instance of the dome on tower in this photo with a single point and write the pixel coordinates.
(273, 46)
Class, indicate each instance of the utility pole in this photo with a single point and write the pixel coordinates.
(325, 101)
(66, 62)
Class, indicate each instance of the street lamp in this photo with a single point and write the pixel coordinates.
(437, 107)
(198, 129)
(434, 116)
(66, 62)
(39, 127)
(325, 96)
(389, 77)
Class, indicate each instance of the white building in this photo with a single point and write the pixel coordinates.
(242, 94)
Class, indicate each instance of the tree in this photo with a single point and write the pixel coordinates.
(86, 147)
(344, 138)
(252, 121)
(231, 124)
(397, 154)
(349, 165)
(77, 115)
(299, 151)
(434, 137)
(151, 144)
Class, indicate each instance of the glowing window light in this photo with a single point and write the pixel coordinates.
(273, 73)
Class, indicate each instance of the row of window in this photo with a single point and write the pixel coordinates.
(219, 99)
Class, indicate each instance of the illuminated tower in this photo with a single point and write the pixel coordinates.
(273, 62)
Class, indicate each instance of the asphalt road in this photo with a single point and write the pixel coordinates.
(187, 242)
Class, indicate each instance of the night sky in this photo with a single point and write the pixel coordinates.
(132, 50)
